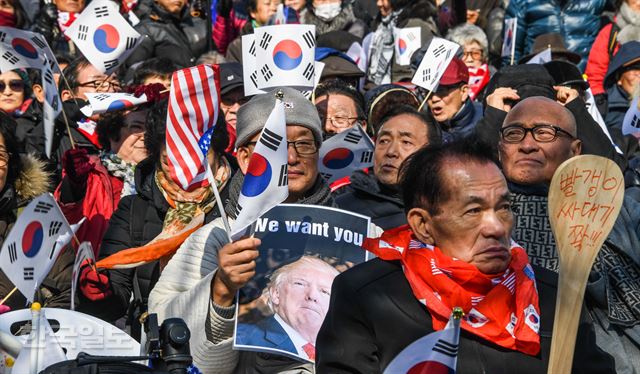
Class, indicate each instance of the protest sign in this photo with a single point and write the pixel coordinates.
(407, 41)
(303, 248)
(285, 56)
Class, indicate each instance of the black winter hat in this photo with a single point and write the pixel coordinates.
(529, 80)
(565, 74)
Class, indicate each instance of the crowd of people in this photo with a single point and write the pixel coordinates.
(461, 172)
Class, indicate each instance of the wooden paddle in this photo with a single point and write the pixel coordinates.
(585, 197)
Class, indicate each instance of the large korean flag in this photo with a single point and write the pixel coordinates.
(24, 49)
(434, 63)
(266, 183)
(33, 245)
(285, 56)
(407, 41)
(103, 35)
(249, 71)
(344, 153)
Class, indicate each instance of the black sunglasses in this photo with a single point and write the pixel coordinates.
(14, 85)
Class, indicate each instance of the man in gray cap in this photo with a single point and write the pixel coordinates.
(201, 280)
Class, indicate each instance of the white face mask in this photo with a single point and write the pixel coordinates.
(328, 11)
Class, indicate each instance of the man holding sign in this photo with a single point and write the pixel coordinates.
(537, 136)
(202, 292)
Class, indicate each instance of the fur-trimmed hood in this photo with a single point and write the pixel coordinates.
(33, 180)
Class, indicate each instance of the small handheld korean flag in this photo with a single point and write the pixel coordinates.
(509, 40)
(344, 153)
(407, 41)
(51, 107)
(592, 108)
(631, 123)
(266, 181)
(357, 53)
(110, 102)
(542, 57)
(33, 245)
(285, 56)
(433, 353)
(105, 38)
(24, 49)
(249, 71)
(84, 253)
(434, 63)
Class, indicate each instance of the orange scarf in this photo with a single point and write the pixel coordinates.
(501, 308)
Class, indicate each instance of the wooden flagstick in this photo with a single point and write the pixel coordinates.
(585, 197)
(426, 98)
(8, 295)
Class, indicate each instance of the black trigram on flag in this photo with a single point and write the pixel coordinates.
(27, 273)
(54, 102)
(426, 75)
(411, 37)
(438, 51)
(37, 41)
(266, 39)
(111, 63)
(10, 58)
(131, 42)
(270, 139)
(326, 176)
(54, 227)
(13, 254)
(254, 78)
(42, 207)
(266, 73)
(252, 49)
(353, 137)
(366, 157)
(83, 30)
(48, 77)
(3, 35)
(448, 54)
(238, 209)
(102, 11)
(309, 39)
(53, 250)
(101, 97)
(309, 71)
(635, 122)
(283, 179)
(446, 348)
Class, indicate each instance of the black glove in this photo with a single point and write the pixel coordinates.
(47, 22)
(224, 8)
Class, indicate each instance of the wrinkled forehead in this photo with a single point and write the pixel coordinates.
(538, 111)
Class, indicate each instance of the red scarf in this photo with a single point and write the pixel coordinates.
(501, 308)
(478, 78)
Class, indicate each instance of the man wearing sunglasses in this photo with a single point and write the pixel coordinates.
(539, 134)
(450, 104)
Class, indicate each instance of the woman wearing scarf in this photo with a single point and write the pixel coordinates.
(475, 50)
(456, 251)
(158, 209)
(397, 14)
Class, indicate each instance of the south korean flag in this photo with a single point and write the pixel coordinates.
(344, 153)
(266, 182)
(285, 56)
(24, 49)
(33, 245)
(110, 102)
(52, 105)
(105, 38)
(434, 63)
(249, 71)
(407, 41)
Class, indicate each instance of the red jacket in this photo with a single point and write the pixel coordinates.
(598, 62)
(225, 30)
(100, 201)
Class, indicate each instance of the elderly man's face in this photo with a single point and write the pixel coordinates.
(302, 298)
(337, 112)
(230, 103)
(629, 80)
(530, 162)
(474, 223)
(397, 139)
(446, 101)
(90, 80)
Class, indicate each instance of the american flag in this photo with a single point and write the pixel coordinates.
(192, 114)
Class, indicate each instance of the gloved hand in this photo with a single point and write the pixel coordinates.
(47, 21)
(4, 309)
(224, 8)
(76, 165)
(94, 285)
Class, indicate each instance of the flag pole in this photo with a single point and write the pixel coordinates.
(64, 114)
(426, 98)
(35, 333)
(8, 295)
(513, 42)
(216, 193)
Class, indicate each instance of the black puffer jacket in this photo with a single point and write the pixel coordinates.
(369, 197)
(135, 223)
(30, 131)
(180, 39)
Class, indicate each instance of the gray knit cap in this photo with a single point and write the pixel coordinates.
(298, 110)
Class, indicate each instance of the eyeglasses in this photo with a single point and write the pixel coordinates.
(102, 84)
(16, 85)
(476, 54)
(302, 147)
(4, 159)
(341, 122)
(540, 133)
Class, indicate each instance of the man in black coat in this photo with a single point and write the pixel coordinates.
(375, 193)
(458, 235)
